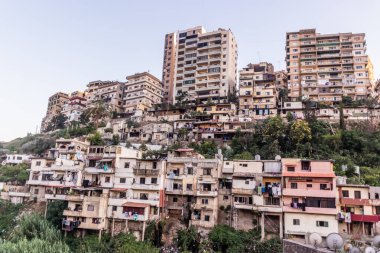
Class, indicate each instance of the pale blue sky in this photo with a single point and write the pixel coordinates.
(49, 46)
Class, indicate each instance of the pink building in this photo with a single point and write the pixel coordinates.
(309, 197)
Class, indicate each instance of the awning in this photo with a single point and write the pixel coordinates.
(106, 160)
(308, 174)
(134, 204)
(364, 218)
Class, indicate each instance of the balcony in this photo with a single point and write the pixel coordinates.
(92, 226)
(55, 196)
(313, 210)
(203, 224)
(19, 194)
(146, 172)
(244, 206)
(149, 187)
(308, 193)
(243, 191)
(72, 213)
(207, 193)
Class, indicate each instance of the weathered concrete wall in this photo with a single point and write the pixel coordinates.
(290, 246)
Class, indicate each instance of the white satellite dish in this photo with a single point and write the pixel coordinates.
(277, 158)
(376, 241)
(315, 239)
(334, 241)
(369, 250)
(354, 250)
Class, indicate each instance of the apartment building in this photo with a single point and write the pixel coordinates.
(356, 216)
(141, 92)
(192, 188)
(309, 198)
(256, 196)
(168, 69)
(109, 92)
(55, 106)
(205, 64)
(257, 90)
(325, 67)
(74, 106)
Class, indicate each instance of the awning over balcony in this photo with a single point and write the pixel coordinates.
(308, 174)
(365, 218)
(134, 204)
(119, 189)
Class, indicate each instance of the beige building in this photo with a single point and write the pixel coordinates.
(55, 106)
(205, 64)
(168, 69)
(325, 67)
(110, 92)
(141, 92)
(257, 90)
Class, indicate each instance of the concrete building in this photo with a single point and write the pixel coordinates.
(205, 64)
(55, 106)
(168, 68)
(74, 106)
(309, 198)
(142, 91)
(109, 92)
(257, 90)
(14, 159)
(192, 188)
(325, 67)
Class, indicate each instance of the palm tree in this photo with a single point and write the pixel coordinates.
(98, 112)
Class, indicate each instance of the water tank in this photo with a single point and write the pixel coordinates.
(257, 157)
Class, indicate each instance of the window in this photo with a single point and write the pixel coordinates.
(322, 224)
(207, 217)
(126, 165)
(296, 222)
(175, 199)
(38, 163)
(293, 185)
(189, 187)
(114, 208)
(142, 180)
(90, 208)
(36, 191)
(207, 171)
(291, 168)
(107, 179)
(309, 186)
(377, 210)
(323, 186)
(122, 180)
(345, 194)
(225, 197)
(204, 201)
(357, 195)
(154, 180)
(190, 171)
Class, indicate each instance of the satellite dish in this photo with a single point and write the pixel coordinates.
(334, 241)
(277, 158)
(376, 241)
(315, 239)
(257, 157)
(354, 250)
(369, 250)
(347, 247)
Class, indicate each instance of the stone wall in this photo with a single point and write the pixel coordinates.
(290, 246)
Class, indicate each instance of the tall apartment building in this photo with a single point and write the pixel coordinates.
(74, 106)
(55, 106)
(205, 64)
(142, 91)
(110, 92)
(168, 68)
(257, 90)
(325, 67)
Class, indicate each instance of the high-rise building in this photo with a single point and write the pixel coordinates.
(142, 91)
(55, 106)
(204, 64)
(109, 92)
(168, 69)
(257, 90)
(326, 67)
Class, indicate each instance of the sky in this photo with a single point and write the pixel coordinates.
(50, 46)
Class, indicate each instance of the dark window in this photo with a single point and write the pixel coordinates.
(207, 217)
(323, 186)
(205, 201)
(142, 180)
(38, 163)
(175, 199)
(322, 224)
(291, 168)
(293, 185)
(377, 209)
(207, 171)
(107, 179)
(126, 165)
(296, 222)
(358, 195)
(90, 208)
(154, 180)
(345, 194)
(305, 165)
(114, 208)
(309, 186)
(122, 180)
(190, 171)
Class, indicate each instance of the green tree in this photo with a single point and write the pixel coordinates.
(300, 132)
(98, 112)
(54, 212)
(188, 239)
(115, 139)
(96, 139)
